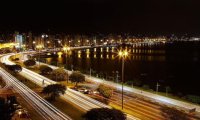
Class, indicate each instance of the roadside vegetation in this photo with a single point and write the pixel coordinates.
(45, 70)
(53, 91)
(106, 92)
(77, 77)
(59, 75)
(29, 63)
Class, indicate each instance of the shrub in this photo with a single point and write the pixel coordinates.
(105, 91)
(29, 63)
(45, 70)
(59, 75)
(77, 77)
(54, 90)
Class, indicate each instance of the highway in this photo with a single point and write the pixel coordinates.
(77, 98)
(45, 109)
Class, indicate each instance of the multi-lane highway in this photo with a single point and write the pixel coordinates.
(45, 109)
(79, 99)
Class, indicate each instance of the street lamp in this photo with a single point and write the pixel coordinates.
(19, 113)
(33, 46)
(66, 49)
(59, 41)
(123, 54)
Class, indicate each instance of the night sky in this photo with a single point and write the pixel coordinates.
(136, 16)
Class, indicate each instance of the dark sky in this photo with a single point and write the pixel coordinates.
(137, 16)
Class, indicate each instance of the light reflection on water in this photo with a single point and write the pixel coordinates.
(108, 54)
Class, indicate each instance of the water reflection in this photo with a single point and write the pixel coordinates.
(79, 55)
(113, 57)
(102, 56)
(107, 56)
(153, 62)
(110, 54)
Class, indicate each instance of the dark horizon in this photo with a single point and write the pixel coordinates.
(104, 16)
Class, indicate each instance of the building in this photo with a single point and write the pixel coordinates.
(19, 41)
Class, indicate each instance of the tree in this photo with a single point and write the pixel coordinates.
(13, 68)
(105, 91)
(173, 114)
(16, 68)
(59, 75)
(54, 90)
(77, 77)
(29, 63)
(45, 70)
(104, 114)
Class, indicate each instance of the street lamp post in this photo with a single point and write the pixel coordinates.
(122, 82)
(157, 85)
(123, 54)
(33, 45)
